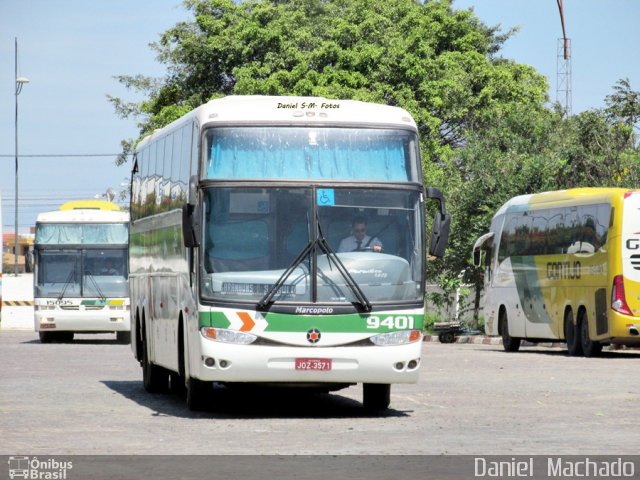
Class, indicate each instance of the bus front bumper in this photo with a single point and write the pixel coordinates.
(355, 364)
(82, 321)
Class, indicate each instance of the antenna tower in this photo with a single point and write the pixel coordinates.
(563, 67)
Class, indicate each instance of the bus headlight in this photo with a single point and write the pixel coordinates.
(227, 336)
(400, 337)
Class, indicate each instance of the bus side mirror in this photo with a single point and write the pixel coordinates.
(441, 225)
(482, 243)
(439, 234)
(191, 217)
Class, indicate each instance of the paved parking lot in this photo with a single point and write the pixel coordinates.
(87, 398)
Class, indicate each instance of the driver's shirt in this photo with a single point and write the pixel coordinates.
(350, 243)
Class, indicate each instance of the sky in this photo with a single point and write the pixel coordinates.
(70, 50)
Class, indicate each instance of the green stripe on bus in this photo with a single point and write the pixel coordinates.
(94, 302)
(278, 322)
(526, 276)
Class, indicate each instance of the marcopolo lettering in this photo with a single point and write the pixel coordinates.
(563, 270)
(314, 310)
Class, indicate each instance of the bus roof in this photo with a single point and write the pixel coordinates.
(84, 215)
(302, 111)
(89, 205)
(566, 197)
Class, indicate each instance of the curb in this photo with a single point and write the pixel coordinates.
(473, 339)
(484, 340)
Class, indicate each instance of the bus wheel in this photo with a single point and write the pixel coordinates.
(572, 335)
(589, 348)
(199, 394)
(376, 396)
(45, 337)
(509, 343)
(154, 378)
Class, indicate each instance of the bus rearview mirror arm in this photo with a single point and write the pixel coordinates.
(441, 224)
(191, 216)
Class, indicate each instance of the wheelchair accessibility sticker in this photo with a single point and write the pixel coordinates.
(325, 197)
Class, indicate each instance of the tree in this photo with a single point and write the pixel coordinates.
(436, 62)
(623, 106)
(440, 64)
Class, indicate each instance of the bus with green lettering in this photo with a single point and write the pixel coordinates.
(81, 271)
(241, 266)
(565, 266)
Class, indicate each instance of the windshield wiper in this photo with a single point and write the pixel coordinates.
(268, 297)
(320, 240)
(95, 285)
(351, 283)
(72, 274)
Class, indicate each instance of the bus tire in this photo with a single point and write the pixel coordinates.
(199, 394)
(154, 378)
(376, 396)
(590, 348)
(572, 335)
(509, 343)
(45, 337)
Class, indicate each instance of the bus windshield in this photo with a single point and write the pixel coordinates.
(90, 273)
(329, 237)
(311, 153)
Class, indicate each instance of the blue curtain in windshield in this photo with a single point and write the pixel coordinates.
(274, 156)
(75, 234)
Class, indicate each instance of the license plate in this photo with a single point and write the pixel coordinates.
(313, 364)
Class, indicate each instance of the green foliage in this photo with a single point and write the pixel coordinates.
(487, 133)
(429, 319)
(452, 292)
(428, 58)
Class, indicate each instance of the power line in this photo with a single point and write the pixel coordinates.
(65, 155)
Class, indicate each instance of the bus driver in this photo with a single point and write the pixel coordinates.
(359, 240)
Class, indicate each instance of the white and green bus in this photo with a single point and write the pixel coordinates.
(81, 271)
(564, 266)
(237, 270)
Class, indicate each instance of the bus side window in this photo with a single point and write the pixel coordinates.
(604, 214)
(555, 229)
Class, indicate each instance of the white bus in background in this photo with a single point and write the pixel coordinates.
(81, 271)
(238, 272)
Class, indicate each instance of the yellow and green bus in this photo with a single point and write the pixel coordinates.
(565, 266)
